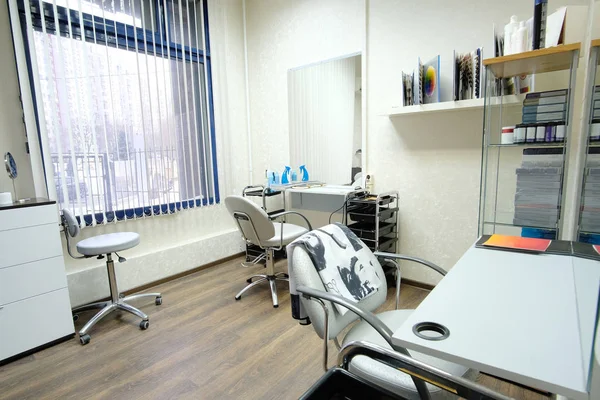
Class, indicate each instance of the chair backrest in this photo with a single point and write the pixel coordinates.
(70, 222)
(306, 274)
(247, 214)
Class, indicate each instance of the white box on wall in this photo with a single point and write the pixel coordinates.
(596, 20)
(575, 26)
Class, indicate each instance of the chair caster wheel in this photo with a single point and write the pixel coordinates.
(237, 298)
(75, 317)
(249, 280)
(276, 306)
(144, 324)
(85, 339)
(158, 301)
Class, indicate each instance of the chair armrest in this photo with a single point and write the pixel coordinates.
(418, 371)
(426, 263)
(277, 215)
(365, 315)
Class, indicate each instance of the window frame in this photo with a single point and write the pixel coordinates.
(125, 37)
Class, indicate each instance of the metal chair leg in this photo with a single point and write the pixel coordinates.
(274, 292)
(133, 310)
(249, 280)
(103, 313)
(91, 306)
(117, 302)
(251, 285)
(141, 296)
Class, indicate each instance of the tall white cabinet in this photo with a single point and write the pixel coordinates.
(34, 299)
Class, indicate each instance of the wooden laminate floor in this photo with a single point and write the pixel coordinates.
(201, 344)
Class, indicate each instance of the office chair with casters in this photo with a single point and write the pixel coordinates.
(103, 246)
(257, 227)
(377, 329)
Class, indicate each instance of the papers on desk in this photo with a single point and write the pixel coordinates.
(531, 245)
(517, 243)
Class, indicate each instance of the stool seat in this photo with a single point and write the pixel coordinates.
(108, 243)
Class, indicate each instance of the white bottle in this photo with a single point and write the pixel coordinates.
(509, 29)
(520, 38)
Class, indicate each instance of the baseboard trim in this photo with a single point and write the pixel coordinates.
(170, 278)
(36, 349)
(180, 275)
(418, 284)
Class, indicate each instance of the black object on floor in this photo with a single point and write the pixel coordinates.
(339, 384)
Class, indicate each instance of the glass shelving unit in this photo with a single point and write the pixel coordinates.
(521, 190)
(589, 210)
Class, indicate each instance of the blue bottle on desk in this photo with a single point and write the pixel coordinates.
(285, 176)
(303, 173)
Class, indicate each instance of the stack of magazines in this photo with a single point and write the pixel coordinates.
(590, 213)
(537, 197)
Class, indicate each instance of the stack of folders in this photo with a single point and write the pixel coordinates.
(590, 214)
(544, 117)
(596, 100)
(595, 128)
(542, 107)
(537, 198)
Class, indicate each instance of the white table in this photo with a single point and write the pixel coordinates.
(523, 317)
(326, 198)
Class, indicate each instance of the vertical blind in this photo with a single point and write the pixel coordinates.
(321, 112)
(124, 104)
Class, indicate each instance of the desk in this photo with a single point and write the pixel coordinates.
(327, 198)
(34, 298)
(523, 317)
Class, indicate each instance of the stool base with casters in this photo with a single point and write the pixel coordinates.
(100, 246)
(117, 302)
(280, 276)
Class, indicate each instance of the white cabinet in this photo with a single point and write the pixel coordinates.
(34, 299)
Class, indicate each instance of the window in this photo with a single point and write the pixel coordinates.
(124, 98)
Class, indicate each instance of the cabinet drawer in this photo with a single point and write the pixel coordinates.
(20, 246)
(31, 279)
(28, 216)
(33, 322)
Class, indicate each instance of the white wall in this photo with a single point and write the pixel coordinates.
(12, 129)
(169, 244)
(286, 34)
(433, 160)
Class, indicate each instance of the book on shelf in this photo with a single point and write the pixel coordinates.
(534, 109)
(422, 86)
(418, 83)
(544, 117)
(468, 67)
(542, 101)
(547, 93)
(431, 81)
(407, 89)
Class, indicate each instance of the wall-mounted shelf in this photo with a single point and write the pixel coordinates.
(461, 105)
(556, 58)
(532, 144)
